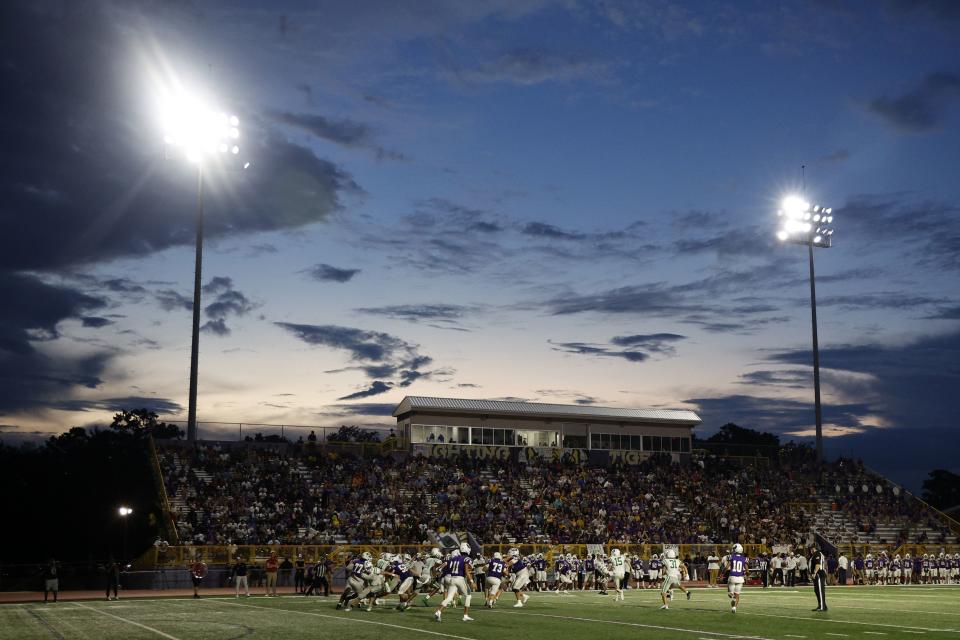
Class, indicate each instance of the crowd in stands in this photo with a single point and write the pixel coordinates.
(870, 500)
(309, 494)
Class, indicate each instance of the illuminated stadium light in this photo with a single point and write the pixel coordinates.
(205, 136)
(124, 511)
(199, 130)
(803, 223)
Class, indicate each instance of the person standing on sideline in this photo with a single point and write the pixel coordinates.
(819, 571)
(113, 578)
(51, 579)
(842, 565)
(272, 567)
(763, 569)
(198, 570)
(713, 566)
(319, 574)
(298, 574)
(240, 576)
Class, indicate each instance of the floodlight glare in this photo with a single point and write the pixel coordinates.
(124, 511)
(795, 206)
(782, 235)
(197, 129)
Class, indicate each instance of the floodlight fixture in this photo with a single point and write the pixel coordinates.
(803, 223)
(124, 511)
(199, 130)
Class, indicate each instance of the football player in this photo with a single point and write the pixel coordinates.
(461, 575)
(671, 579)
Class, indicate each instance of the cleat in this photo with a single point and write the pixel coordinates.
(663, 606)
(467, 618)
(525, 598)
(733, 609)
(436, 616)
(689, 595)
(347, 609)
(518, 605)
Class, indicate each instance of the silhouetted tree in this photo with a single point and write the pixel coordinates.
(731, 433)
(942, 489)
(140, 422)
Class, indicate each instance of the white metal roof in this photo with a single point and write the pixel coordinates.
(536, 409)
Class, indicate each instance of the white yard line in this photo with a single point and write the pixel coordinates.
(790, 636)
(712, 634)
(866, 624)
(348, 620)
(875, 633)
(122, 619)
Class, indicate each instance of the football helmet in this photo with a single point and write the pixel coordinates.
(464, 547)
(436, 553)
(671, 553)
(738, 548)
(366, 555)
(615, 552)
(497, 555)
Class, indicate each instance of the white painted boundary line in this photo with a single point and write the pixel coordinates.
(866, 624)
(121, 619)
(712, 634)
(348, 620)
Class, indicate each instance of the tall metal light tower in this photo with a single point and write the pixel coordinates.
(801, 223)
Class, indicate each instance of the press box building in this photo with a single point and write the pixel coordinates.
(451, 426)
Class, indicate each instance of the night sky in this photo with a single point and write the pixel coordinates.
(568, 202)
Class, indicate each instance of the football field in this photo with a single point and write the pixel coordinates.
(782, 614)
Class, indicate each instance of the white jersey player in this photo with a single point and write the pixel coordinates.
(671, 577)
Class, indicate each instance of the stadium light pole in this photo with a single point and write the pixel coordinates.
(801, 223)
(202, 133)
(124, 516)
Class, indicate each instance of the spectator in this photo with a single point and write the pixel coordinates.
(272, 567)
(51, 579)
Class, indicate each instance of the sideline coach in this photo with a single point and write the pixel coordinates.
(818, 569)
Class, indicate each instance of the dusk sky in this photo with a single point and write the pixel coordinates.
(570, 202)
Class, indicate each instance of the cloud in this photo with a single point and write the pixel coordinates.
(926, 233)
(380, 355)
(791, 379)
(82, 180)
(95, 322)
(834, 157)
(654, 342)
(638, 348)
(359, 409)
(344, 132)
(35, 309)
(445, 316)
(328, 273)
(906, 384)
(161, 406)
(171, 300)
(923, 108)
(782, 416)
(543, 230)
(527, 67)
(946, 313)
(375, 389)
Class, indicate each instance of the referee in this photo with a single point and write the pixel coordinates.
(818, 569)
(763, 568)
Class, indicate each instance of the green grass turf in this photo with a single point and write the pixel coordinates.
(781, 614)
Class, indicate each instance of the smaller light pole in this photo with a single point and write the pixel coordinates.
(801, 223)
(124, 516)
